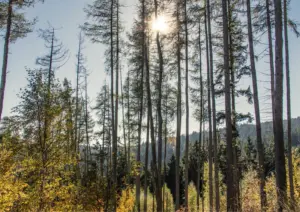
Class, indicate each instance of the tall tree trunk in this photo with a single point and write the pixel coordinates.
(76, 145)
(44, 147)
(146, 165)
(278, 111)
(165, 156)
(5, 54)
(187, 141)
(178, 115)
(76, 137)
(271, 61)
(229, 150)
(128, 125)
(116, 122)
(260, 150)
(104, 128)
(210, 166)
(86, 128)
(201, 115)
(114, 154)
(123, 117)
(214, 122)
(236, 179)
(159, 113)
(138, 156)
(288, 97)
(154, 167)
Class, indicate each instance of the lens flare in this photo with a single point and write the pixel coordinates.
(159, 24)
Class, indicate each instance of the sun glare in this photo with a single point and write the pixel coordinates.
(159, 24)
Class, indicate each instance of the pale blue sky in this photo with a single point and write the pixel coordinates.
(68, 15)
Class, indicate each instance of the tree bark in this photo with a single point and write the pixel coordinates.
(146, 166)
(271, 61)
(260, 150)
(178, 123)
(229, 182)
(278, 110)
(114, 154)
(288, 96)
(86, 128)
(187, 141)
(5, 54)
(214, 123)
(210, 166)
(155, 171)
(201, 115)
(138, 157)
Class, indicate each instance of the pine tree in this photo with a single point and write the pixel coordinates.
(17, 26)
(278, 97)
(256, 108)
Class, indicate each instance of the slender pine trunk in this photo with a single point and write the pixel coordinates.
(155, 171)
(288, 97)
(187, 141)
(210, 166)
(229, 182)
(261, 172)
(278, 111)
(201, 115)
(114, 154)
(5, 54)
(213, 107)
(178, 115)
(146, 165)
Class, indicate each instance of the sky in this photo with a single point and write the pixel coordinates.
(67, 15)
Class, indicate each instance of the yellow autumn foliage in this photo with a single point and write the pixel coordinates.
(127, 200)
(11, 186)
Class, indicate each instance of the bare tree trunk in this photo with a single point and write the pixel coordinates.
(271, 61)
(187, 141)
(138, 157)
(114, 177)
(261, 172)
(128, 125)
(116, 122)
(5, 54)
(278, 111)
(146, 165)
(178, 124)
(165, 154)
(123, 117)
(236, 179)
(86, 128)
(103, 138)
(214, 123)
(229, 182)
(288, 96)
(210, 167)
(76, 137)
(201, 116)
(155, 171)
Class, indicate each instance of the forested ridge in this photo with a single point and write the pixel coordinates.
(181, 63)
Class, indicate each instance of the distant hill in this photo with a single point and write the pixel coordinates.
(245, 131)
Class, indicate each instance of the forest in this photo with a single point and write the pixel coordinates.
(181, 65)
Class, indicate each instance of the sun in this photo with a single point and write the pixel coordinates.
(159, 24)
